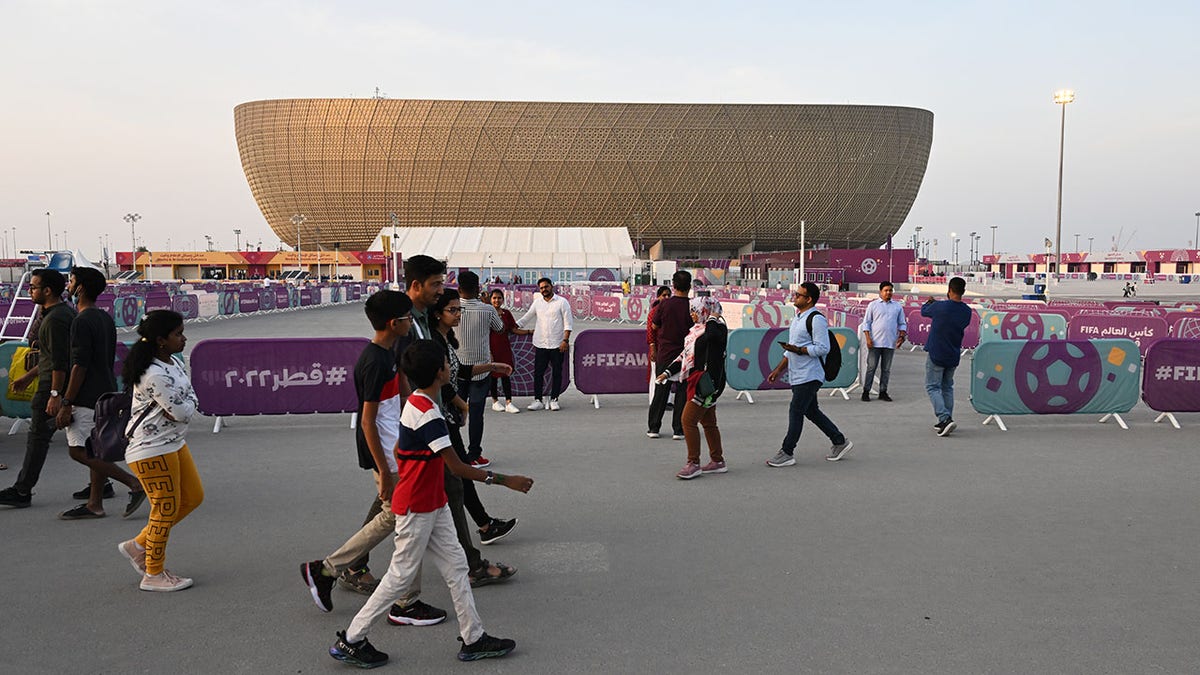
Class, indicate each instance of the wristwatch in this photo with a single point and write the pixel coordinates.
(491, 478)
(53, 393)
(66, 402)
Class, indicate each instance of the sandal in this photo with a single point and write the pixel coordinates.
(483, 575)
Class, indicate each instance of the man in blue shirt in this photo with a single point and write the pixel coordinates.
(806, 374)
(950, 319)
(884, 331)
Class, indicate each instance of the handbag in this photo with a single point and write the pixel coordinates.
(704, 392)
(16, 369)
(109, 438)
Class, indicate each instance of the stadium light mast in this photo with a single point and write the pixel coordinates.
(132, 219)
(237, 240)
(993, 241)
(1061, 97)
(49, 237)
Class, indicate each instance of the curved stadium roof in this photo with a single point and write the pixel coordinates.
(712, 174)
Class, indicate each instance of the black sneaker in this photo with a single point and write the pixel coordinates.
(11, 497)
(416, 614)
(497, 530)
(320, 585)
(86, 492)
(135, 501)
(867, 396)
(360, 654)
(883, 396)
(485, 647)
(944, 428)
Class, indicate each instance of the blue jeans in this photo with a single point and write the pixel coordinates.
(881, 357)
(474, 392)
(939, 384)
(804, 404)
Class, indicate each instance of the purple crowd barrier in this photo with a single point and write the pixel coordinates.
(275, 376)
(611, 361)
(1171, 378)
(606, 307)
(249, 301)
(1143, 330)
(918, 329)
(1187, 327)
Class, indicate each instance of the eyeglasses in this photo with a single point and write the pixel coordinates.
(35, 288)
(407, 317)
(453, 310)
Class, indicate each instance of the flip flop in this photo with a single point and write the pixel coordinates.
(481, 577)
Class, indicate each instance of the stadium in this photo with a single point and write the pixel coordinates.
(717, 178)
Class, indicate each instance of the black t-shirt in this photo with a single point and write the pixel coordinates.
(376, 379)
(94, 346)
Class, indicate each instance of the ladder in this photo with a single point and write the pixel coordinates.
(20, 313)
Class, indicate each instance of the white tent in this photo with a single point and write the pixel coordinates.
(516, 247)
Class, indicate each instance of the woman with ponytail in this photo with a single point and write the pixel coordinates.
(157, 452)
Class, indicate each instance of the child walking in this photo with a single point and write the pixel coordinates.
(424, 524)
(157, 452)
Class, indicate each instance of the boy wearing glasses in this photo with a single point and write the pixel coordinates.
(377, 383)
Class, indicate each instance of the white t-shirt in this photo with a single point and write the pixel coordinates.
(551, 319)
(169, 388)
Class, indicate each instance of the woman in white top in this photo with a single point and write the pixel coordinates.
(157, 452)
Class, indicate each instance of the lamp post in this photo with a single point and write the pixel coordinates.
(917, 241)
(208, 242)
(971, 245)
(1195, 242)
(1061, 97)
(394, 220)
(993, 240)
(132, 219)
(1090, 244)
(298, 220)
(237, 240)
(49, 237)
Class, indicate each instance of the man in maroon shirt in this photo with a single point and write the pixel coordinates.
(671, 324)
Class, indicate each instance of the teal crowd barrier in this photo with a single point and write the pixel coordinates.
(1055, 377)
(754, 352)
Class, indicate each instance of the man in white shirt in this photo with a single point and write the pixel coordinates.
(551, 316)
(884, 330)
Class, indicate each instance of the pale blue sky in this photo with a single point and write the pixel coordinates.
(118, 106)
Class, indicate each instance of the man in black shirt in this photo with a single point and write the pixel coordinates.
(54, 339)
(671, 324)
(93, 351)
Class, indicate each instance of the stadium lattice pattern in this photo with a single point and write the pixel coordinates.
(708, 176)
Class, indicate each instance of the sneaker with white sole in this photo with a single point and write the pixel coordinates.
(481, 462)
(947, 427)
(164, 582)
(839, 450)
(689, 471)
(136, 555)
(361, 654)
(511, 409)
(319, 584)
(554, 404)
(498, 406)
(677, 437)
(714, 467)
(781, 459)
(497, 529)
(416, 614)
(653, 434)
(536, 405)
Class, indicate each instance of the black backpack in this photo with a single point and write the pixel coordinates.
(833, 360)
(109, 439)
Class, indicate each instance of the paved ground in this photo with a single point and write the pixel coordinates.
(1061, 546)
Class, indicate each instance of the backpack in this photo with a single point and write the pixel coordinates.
(109, 439)
(833, 360)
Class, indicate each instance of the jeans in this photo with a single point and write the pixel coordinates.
(475, 393)
(939, 384)
(541, 357)
(37, 443)
(658, 406)
(804, 404)
(881, 357)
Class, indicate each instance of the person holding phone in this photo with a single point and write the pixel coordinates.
(802, 360)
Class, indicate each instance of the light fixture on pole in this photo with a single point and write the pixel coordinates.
(954, 247)
(237, 240)
(394, 220)
(993, 241)
(1195, 242)
(298, 220)
(971, 245)
(132, 219)
(1077, 242)
(49, 237)
(1061, 97)
(917, 241)
(1090, 244)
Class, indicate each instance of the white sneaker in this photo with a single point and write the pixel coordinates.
(554, 404)
(510, 408)
(164, 582)
(677, 437)
(536, 405)
(498, 406)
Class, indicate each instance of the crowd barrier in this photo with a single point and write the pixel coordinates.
(918, 330)
(1055, 377)
(1022, 326)
(754, 352)
(1171, 381)
(1143, 330)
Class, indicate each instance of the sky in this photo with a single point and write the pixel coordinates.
(126, 106)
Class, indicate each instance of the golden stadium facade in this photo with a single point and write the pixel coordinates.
(715, 176)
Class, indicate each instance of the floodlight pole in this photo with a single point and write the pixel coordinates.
(1062, 97)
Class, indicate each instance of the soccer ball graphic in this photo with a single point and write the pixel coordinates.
(1054, 376)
